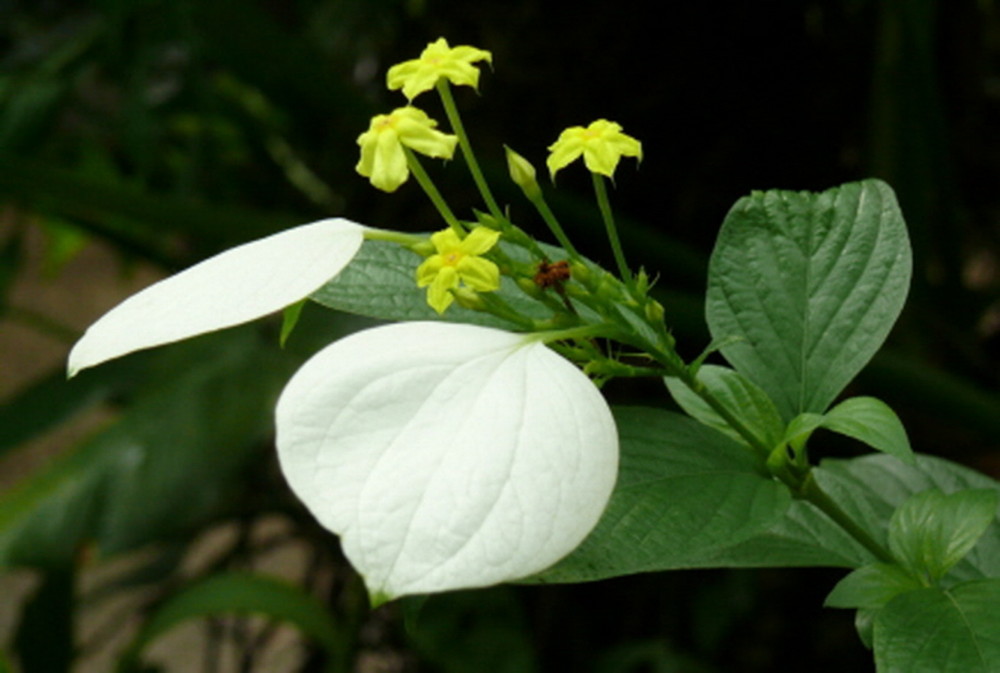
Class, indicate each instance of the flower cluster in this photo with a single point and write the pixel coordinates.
(383, 159)
(444, 455)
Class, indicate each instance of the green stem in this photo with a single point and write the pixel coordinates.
(811, 492)
(609, 223)
(432, 193)
(550, 219)
(450, 109)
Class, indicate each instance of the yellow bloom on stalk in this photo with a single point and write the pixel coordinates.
(458, 261)
(602, 145)
(436, 61)
(383, 161)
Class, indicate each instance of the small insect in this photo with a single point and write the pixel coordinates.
(551, 274)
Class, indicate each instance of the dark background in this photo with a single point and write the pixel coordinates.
(175, 128)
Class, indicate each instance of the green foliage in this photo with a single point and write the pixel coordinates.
(684, 492)
(167, 467)
(931, 531)
(812, 283)
(941, 631)
(241, 593)
(743, 399)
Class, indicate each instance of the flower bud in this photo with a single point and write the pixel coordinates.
(654, 311)
(468, 298)
(523, 174)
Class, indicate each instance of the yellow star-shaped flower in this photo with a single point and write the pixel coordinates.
(602, 145)
(458, 261)
(383, 161)
(436, 61)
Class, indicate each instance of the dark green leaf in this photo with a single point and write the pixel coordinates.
(242, 593)
(683, 492)
(743, 399)
(872, 586)
(812, 283)
(935, 631)
(171, 462)
(931, 531)
(380, 282)
(873, 422)
(869, 489)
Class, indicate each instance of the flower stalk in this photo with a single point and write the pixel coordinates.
(451, 110)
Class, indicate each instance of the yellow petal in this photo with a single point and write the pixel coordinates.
(479, 274)
(479, 241)
(438, 296)
(428, 270)
(389, 170)
(445, 240)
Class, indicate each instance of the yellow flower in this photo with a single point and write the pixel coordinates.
(436, 61)
(458, 261)
(602, 145)
(383, 161)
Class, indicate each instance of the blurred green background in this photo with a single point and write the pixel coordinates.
(161, 131)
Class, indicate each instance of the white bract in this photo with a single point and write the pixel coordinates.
(447, 456)
(235, 286)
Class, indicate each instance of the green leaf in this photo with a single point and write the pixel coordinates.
(380, 282)
(873, 422)
(935, 631)
(241, 593)
(683, 491)
(170, 463)
(869, 489)
(812, 283)
(743, 399)
(931, 531)
(872, 586)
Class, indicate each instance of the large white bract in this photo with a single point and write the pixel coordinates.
(447, 456)
(235, 286)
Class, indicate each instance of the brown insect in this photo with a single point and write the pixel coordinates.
(552, 274)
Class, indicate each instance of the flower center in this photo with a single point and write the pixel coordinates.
(452, 258)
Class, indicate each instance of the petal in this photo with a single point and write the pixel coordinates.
(429, 269)
(601, 157)
(479, 274)
(438, 295)
(445, 240)
(562, 153)
(422, 137)
(235, 286)
(389, 167)
(447, 456)
(479, 240)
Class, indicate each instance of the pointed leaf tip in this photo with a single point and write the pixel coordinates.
(236, 286)
(447, 456)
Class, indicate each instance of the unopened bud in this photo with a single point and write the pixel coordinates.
(654, 311)
(468, 298)
(523, 174)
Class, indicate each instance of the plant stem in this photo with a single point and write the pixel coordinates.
(811, 492)
(450, 109)
(550, 219)
(432, 193)
(609, 223)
